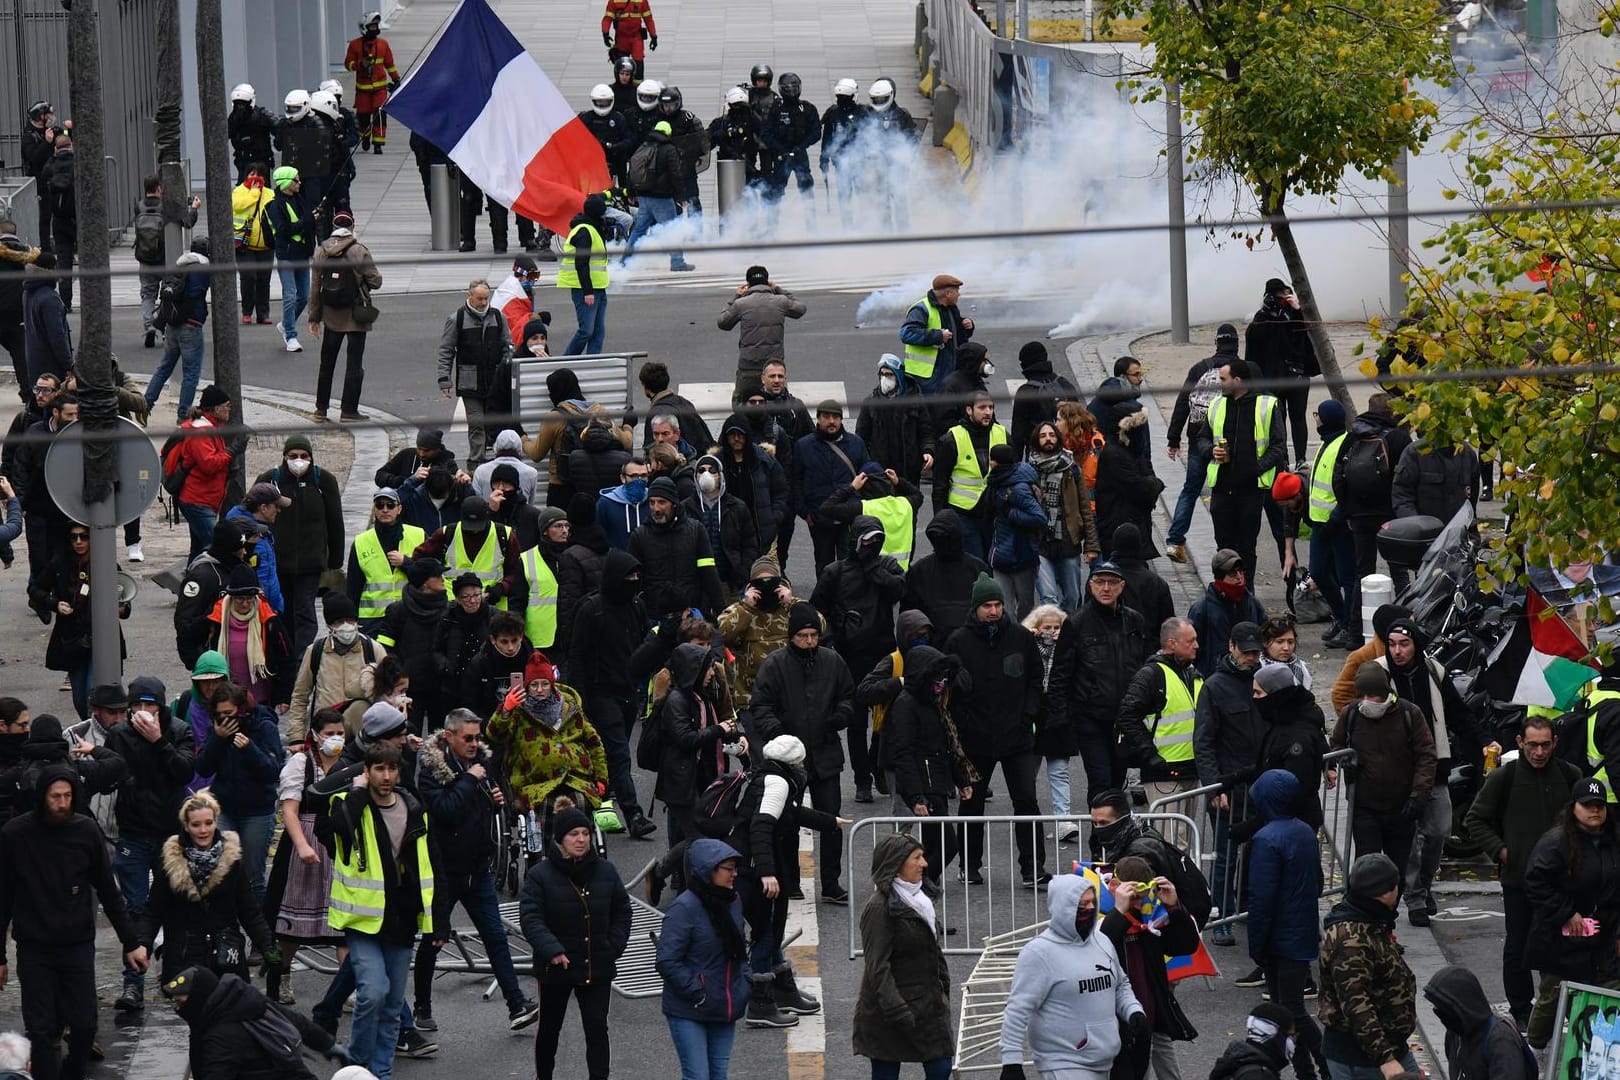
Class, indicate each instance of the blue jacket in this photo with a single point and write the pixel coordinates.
(416, 508)
(196, 289)
(1019, 521)
(701, 982)
(46, 337)
(914, 331)
(292, 227)
(818, 471)
(619, 516)
(244, 780)
(264, 558)
(1285, 875)
(1213, 616)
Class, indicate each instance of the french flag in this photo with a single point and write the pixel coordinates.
(484, 101)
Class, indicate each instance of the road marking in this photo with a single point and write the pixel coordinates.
(1464, 914)
(807, 1042)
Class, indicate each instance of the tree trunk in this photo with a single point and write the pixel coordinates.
(166, 132)
(1326, 359)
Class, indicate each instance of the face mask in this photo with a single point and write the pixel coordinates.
(1085, 920)
(938, 688)
(636, 490)
(1049, 635)
(1233, 591)
(298, 466)
(708, 483)
(332, 745)
(528, 288)
(1374, 709)
(988, 370)
(920, 639)
(887, 383)
(345, 634)
(1108, 835)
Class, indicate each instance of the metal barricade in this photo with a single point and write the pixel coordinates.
(604, 378)
(975, 914)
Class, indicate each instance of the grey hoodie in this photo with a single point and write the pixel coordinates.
(1069, 994)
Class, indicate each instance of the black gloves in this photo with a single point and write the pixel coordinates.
(644, 35)
(393, 85)
(652, 43)
(1012, 1072)
(1141, 1031)
(607, 39)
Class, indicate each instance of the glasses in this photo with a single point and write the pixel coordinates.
(635, 476)
(386, 505)
(44, 388)
(470, 738)
(78, 536)
(298, 455)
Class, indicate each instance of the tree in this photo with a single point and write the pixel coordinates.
(1286, 97)
(1536, 290)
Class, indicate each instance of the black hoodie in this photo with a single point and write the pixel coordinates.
(54, 874)
(608, 627)
(917, 745)
(1480, 1045)
(1244, 1060)
(220, 1011)
(940, 584)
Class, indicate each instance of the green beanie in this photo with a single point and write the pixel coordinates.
(985, 590)
(283, 176)
(298, 442)
(209, 663)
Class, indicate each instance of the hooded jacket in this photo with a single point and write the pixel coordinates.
(309, 533)
(245, 778)
(576, 909)
(46, 336)
(705, 974)
(1037, 399)
(897, 428)
(55, 874)
(727, 520)
(1285, 874)
(758, 480)
(677, 563)
(596, 462)
(99, 773)
(811, 698)
(940, 584)
(1295, 739)
(694, 741)
(1069, 994)
(903, 1011)
(1000, 695)
(150, 795)
(1213, 616)
(14, 256)
(879, 687)
(221, 1010)
(1018, 521)
(191, 917)
(1395, 760)
(916, 744)
(579, 573)
(1367, 999)
(462, 819)
(1244, 1060)
(487, 679)
(856, 597)
(761, 311)
(1145, 590)
(342, 247)
(1127, 489)
(1380, 505)
(620, 515)
(608, 628)
(1480, 1045)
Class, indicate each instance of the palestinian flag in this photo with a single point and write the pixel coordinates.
(1541, 662)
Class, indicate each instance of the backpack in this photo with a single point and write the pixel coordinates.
(1366, 469)
(174, 473)
(1192, 888)
(172, 303)
(278, 1037)
(1531, 1066)
(1202, 396)
(642, 163)
(339, 287)
(149, 237)
(368, 649)
(719, 811)
(650, 744)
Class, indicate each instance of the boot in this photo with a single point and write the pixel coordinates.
(789, 998)
(762, 1010)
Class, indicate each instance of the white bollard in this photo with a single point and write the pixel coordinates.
(1376, 591)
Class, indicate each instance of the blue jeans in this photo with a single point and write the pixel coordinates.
(200, 520)
(329, 1010)
(254, 832)
(1057, 581)
(937, 1069)
(704, 1048)
(592, 332)
(381, 971)
(133, 862)
(294, 298)
(1333, 567)
(182, 344)
(1340, 1070)
(79, 679)
(1057, 782)
(652, 210)
(1200, 452)
(476, 894)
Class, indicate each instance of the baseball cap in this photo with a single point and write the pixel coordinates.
(1109, 568)
(265, 494)
(1590, 790)
(1246, 636)
(385, 493)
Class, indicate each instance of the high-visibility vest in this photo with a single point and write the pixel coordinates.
(486, 566)
(359, 891)
(1265, 406)
(384, 584)
(920, 359)
(967, 481)
(1594, 756)
(568, 269)
(1323, 500)
(1172, 726)
(897, 517)
(247, 216)
(540, 617)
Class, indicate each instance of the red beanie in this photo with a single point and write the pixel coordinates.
(538, 667)
(1287, 486)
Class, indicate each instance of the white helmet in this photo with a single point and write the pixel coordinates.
(647, 94)
(324, 103)
(243, 92)
(602, 99)
(297, 104)
(335, 88)
(846, 88)
(736, 96)
(882, 95)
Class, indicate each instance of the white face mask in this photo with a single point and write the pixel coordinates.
(332, 745)
(345, 634)
(298, 466)
(1375, 709)
(989, 369)
(143, 715)
(887, 383)
(708, 482)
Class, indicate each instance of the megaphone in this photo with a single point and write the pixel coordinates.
(128, 587)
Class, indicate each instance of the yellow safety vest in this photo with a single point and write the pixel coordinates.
(568, 269)
(1594, 756)
(1322, 498)
(1172, 726)
(1265, 407)
(486, 566)
(540, 617)
(384, 584)
(247, 216)
(895, 513)
(920, 359)
(967, 482)
(359, 893)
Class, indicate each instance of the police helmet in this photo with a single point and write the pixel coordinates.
(601, 99)
(736, 96)
(882, 95)
(647, 94)
(243, 92)
(761, 71)
(846, 88)
(789, 85)
(670, 97)
(297, 104)
(624, 66)
(39, 110)
(324, 103)
(369, 20)
(335, 88)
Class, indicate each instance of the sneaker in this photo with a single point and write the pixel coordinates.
(131, 1000)
(287, 997)
(863, 794)
(348, 1004)
(524, 1015)
(247, 320)
(134, 552)
(66, 687)
(1253, 979)
(971, 877)
(1177, 552)
(293, 346)
(353, 417)
(641, 827)
(262, 322)
(424, 1019)
(1222, 936)
(150, 341)
(835, 895)
(1040, 878)
(413, 1044)
(1310, 990)
(1068, 832)
(682, 268)
(321, 418)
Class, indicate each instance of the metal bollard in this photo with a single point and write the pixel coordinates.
(730, 178)
(445, 212)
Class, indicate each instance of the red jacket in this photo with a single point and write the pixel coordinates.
(210, 465)
(625, 19)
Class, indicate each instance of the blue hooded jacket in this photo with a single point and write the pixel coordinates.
(620, 515)
(1285, 875)
(702, 980)
(1019, 521)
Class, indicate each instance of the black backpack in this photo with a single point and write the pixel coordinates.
(1192, 888)
(173, 306)
(280, 1040)
(1366, 469)
(149, 238)
(721, 808)
(174, 473)
(650, 744)
(642, 163)
(339, 287)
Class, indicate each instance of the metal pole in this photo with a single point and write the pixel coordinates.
(1001, 18)
(1179, 329)
(1399, 236)
(442, 190)
(1023, 19)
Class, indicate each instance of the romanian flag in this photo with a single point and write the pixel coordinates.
(483, 100)
(1149, 914)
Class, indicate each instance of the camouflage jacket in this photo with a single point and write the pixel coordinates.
(1367, 991)
(751, 635)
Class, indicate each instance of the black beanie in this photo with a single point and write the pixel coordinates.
(1032, 359)
(1373, 875)
(566, 821)
(581, 509)
(1003, 454)
(803, 617)
(213, 397)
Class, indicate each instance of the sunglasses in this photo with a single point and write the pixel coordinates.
(385, 504)
(77, 536)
